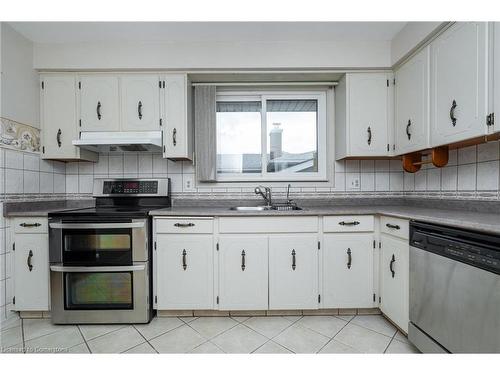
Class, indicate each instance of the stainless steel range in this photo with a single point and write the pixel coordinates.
(100, 257)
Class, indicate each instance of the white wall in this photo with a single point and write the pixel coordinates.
(214, 55)
(410, 36)
(20, 92)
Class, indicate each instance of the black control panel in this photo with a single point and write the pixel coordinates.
(130, 187)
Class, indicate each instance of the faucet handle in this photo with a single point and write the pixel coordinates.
(288, 192)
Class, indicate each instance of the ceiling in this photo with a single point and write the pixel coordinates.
(101, 32)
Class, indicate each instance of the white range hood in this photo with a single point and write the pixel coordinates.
(120, 141)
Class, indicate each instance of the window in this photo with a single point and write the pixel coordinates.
(271, 137)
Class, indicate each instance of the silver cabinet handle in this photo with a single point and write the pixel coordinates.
(391, 265)
(243, 266)
(30, 225)
(174, 137)
(28, 261)
(96, 226)
(58, 138)
(349, 258)
(452, 112)
(98, 110)
(58, 268)
(369, 130)
(293, 260)
(139, 110)
(184, 264)
(184, 225)
(408, 134)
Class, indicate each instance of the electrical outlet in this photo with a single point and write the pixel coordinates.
(188, 182)
(352, 181)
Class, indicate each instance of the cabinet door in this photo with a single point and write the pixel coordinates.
(459, 83)
(184, 272)
(412, 104)
(99, 103)
(31, 284)
(58, 116)
(348, 270)
(495, 90)
(140, 102)
(293, 272)
(177, 133)
(394, 274)
(368, 113)
(243, 266)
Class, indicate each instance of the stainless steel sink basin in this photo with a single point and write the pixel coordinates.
(251, 208)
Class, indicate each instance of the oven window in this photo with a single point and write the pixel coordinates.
(96, 242)
(98, 291)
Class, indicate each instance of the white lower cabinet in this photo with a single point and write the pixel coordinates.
(31, 266)
(394, 279)
(184, 271)
(348, 270)
(243, 273)
(293, 272)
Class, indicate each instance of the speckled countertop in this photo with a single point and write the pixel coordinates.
(44, 207)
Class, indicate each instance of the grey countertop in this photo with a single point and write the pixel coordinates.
(43, 207)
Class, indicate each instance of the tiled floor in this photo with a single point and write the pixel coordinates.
(276, 334)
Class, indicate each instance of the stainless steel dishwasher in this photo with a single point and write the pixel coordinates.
(454, 290)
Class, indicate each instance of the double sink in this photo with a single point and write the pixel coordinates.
(277, 207)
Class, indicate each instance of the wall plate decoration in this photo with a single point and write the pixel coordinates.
(19, 136)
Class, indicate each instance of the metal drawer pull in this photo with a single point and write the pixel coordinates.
(349, 223)
(28, 261)
(174, 137)
(58, 268)
(293, 260)
(58, 138)
(184, 264)
(184, 225)
(139, 110)
(408, 129)
(243, 266)
(349, 258)
(391, 264)
(392, 226)
(30, 225)
(98, 110)
(96, 226)
(369, 130)
(452, 113)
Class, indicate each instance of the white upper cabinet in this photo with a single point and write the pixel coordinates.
(495, 71)
(178, 129)
(58, 115)
(412, 104)
(99, 103)
(140, 102)
(293, 272)
(363, 115)
(243, 276)
(459, 60)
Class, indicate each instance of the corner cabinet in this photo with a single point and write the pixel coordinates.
(459, 83)
(58, 117)
(411, 125)
(363, 115)
(178, 128)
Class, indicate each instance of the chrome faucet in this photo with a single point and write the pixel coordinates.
(266, 194)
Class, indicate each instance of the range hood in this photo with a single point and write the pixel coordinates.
(120, 141)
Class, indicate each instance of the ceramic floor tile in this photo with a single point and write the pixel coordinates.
(11, 337)
(55, 342)
(207, 348)
(180, 340)
(78, 349)
(347, 318)
(399, 347)
(210, 327)
(292, 318)
(10, 323)
(363, 339)
(336, 347)
(158, 326)
(269, 326)
(400, 337)
(143, 348)
(34, 328)
(271, 347)
(326, 325)
(240, 319)
(239, 339)
(376, 323)
(299, 339)
(116, 342)
(187, 319)
(91, 331)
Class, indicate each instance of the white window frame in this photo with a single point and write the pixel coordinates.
(263, 96)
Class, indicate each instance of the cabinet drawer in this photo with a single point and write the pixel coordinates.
(31, 225)
(185, 225)
(396, 227)
(282, 224)
(364, 223)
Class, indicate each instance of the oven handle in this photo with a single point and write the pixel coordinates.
(96, 226)
(140, 267)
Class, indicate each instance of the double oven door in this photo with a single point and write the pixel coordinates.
(99, 271)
